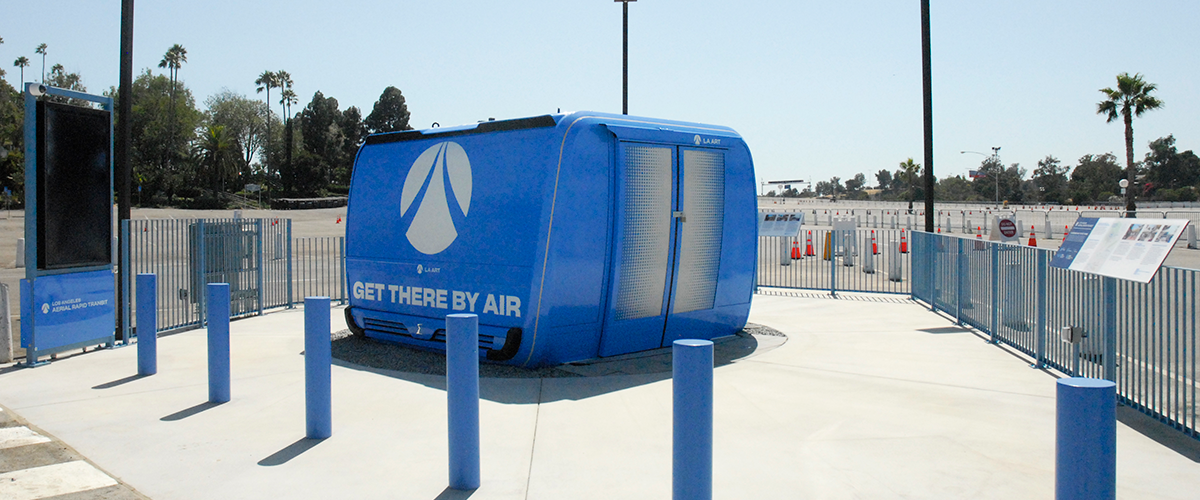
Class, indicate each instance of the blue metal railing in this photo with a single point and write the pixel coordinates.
(265, 266)
(1141, 336)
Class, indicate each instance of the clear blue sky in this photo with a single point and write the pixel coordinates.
(818, 89)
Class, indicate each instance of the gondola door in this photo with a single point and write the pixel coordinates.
(645, 224)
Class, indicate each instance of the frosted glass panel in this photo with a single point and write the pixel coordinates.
(645, 233)
(700, 236)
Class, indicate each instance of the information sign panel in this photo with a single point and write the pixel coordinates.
(1131, 249)
(780, 224)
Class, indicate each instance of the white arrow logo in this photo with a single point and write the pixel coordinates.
(432, 228)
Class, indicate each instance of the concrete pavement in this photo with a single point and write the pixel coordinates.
(869, 397)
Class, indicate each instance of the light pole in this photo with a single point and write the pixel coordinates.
(625, 55)
(996, 160)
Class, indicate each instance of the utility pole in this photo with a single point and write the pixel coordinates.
(927, 80)
(124, 173)
(625, 55)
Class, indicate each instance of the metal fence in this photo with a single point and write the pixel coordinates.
(265, 267)
(1142, 336)
(864, 260)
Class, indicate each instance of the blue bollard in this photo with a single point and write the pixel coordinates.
(218, 342)
(147, 324)
(462, 394)
(1085, 448)
(692, 382)
(317, 359)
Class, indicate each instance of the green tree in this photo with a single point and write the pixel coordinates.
(244, 121)
(1094, 178)
(1167, 168)
(855, 185)
(1130, 99)
(41, 49)
(162, 128)
(22, 62)
(320, 124)
(216, 156)
(954, 189)
(390, 113)
(12, 140)
(910, 172)
(59, 77)
(884, 178)
(1050, 180)
(355, 131)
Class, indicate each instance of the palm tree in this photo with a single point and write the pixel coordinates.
(214, 152)
(173, 60)
(910, 171)
(22, 62)
(1131, 98)
(266, 81)
(41, 49)
(283, 80)
(287, 98)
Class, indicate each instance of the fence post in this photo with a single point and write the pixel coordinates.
(833, 263)
(341, 263)
(692, 443)
(318, 414)
(1085, 458)
(6, 352)
(125, 268)
(202, 281)
(1040, 327)
(933, 242)
(958, 282)
(995, 339)
(147, 322)
(462, 395)
(258, 261)
(895, 265)
(218, 342)
(1110, 328)
(291, 303)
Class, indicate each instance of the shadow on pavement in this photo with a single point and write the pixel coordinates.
(571, 381)
(291, 451)
(1159, 432)
(122, 381)
(453, 494)
(182, 414)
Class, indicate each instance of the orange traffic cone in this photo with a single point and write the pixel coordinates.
(874, 246)
(808, 249)
(1066, 231)
(339, 221)
(795, 250)
(903, 242)
(1032, 237)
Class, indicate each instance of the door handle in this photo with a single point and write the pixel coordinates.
(679, 215)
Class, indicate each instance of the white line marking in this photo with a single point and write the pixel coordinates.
(52, 480)
(12, 437)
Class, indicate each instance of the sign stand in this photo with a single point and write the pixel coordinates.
(68, 296)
